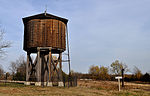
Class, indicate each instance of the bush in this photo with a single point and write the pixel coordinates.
(20, 77)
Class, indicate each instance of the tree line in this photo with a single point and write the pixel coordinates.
(115, 69)
(18, 72)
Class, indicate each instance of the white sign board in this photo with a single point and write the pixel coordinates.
(119, 77)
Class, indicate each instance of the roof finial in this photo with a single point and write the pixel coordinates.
(45, 9)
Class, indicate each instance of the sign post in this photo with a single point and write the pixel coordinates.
(122, 77)
(119, 77)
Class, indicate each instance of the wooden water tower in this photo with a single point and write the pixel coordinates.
(45, 35)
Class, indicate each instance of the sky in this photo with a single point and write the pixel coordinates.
(100, 31)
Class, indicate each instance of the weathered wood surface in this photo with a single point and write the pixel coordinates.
(44, 33)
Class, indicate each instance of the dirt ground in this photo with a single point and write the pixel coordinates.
(84, 88)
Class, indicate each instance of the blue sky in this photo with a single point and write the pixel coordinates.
(100, 31)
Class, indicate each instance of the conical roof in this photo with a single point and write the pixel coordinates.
(44, 16)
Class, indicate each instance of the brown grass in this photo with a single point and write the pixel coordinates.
(84, 88)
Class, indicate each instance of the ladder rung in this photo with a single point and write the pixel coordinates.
(65, 60)
(65, 53)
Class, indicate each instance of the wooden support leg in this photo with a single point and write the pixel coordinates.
(45, 69)
(42, 69)
(39, 66)
(50, 65)
(35, 63)
(60, 67)
(27, 67)
(50, 68)
(61, 84)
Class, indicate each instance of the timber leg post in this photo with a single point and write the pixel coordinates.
(50, 68)
(60, 71)
(38, 83)
(27, 69)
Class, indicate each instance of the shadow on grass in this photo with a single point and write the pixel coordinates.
(11, 85)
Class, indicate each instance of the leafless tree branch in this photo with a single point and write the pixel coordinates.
(3, 44)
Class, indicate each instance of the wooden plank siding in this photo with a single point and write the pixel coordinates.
(45, 33)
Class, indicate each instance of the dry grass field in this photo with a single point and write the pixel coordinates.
(84, 88)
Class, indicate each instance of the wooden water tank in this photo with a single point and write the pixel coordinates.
(44, 30)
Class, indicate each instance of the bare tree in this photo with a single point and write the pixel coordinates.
(1, 71)
(18, 68)
(13, 67)
(3, 44)
(18, 65)
(21, 65)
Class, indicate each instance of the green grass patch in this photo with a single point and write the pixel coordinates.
(99, 88)
(124, 94)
